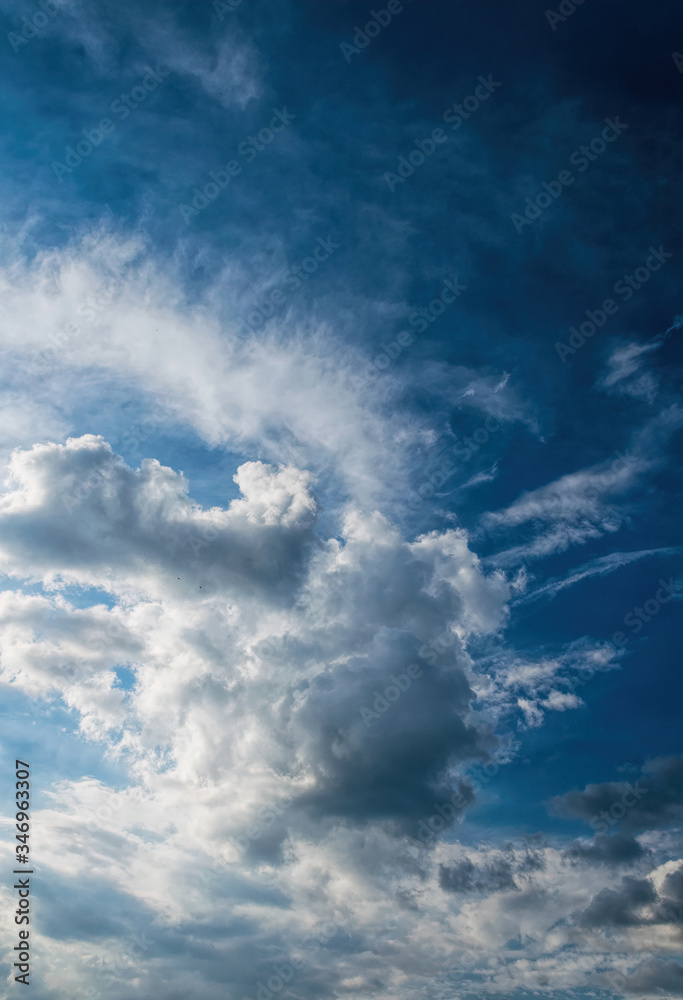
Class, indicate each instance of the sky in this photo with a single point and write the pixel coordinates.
(340, 552)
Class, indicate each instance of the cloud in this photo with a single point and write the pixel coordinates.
(572, 508)
(657, 804)
(509, 683)
(621, 907)
(615, 850)
(246, 698)
(78, 512)
(249, 665)
(602, 566)
(625, 372)
(581, 506)
(654, 976)
(464, 877)
(635, 904)
(104, 309)
(245, 612)
(227, 69)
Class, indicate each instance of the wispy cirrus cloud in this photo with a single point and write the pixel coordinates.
(587, 504)
(602, 566)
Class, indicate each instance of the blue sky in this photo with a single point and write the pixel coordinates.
(336, 342)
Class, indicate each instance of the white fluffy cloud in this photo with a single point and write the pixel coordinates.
(254, 644)
(257, 788)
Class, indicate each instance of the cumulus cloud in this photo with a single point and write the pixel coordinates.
(616, 850)
(465, 877)
(653, 976)
(247, 698)
(282, 633)
(621, 907)
(78, 512)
